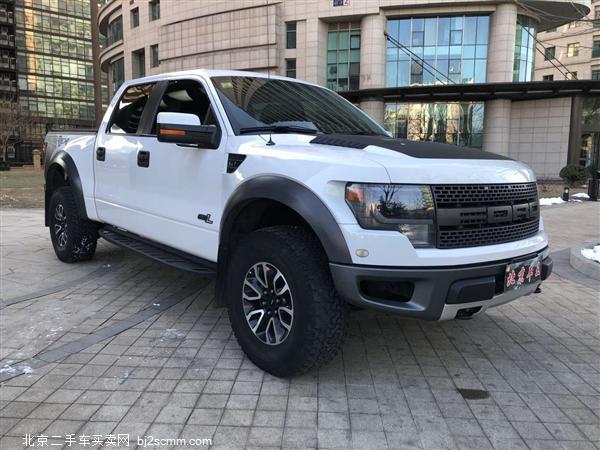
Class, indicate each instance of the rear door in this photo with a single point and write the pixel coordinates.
(115, 161)
(178, 188)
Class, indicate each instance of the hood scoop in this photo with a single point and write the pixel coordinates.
(415, 149)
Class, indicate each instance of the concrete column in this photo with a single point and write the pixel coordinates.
(374, 109)
(315, 69)
(372, 51)
(496, 126)
(501, 53)
(372, 62)
(501, 48)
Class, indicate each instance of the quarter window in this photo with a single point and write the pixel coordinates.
(128, 113)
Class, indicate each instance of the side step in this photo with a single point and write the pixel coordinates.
(158, 252)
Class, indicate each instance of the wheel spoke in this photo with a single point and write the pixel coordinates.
(250, 316)
(254, 288)
(284, 288)
(286, 318)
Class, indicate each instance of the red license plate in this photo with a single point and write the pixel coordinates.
(522, 273)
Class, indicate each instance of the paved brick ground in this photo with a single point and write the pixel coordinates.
(124, 346)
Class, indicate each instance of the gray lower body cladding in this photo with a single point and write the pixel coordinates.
(431, 293)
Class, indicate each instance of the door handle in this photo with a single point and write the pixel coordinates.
(101, 153)
(143, 158)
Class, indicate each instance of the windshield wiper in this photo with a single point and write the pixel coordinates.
(279, 129)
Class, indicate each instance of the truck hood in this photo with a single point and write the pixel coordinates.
(430, 162)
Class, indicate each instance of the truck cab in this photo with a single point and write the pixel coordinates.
(299, 204)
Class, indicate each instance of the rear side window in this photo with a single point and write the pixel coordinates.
(128, 113)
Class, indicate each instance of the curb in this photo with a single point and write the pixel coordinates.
(585, 266)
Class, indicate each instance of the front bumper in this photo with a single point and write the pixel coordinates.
(431, 293)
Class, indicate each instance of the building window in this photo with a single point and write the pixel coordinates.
(597, 18)
(154, 9)
(573, 49)
(549, 53)
(524, 49)
(118, 74)
(138, 63)
(595, 74)
(290, 68)
(154, 60)
(452, 123)
(572, 76)
(115, 31)
(135, 17)
(596, 49)
(290, 35)
(437, 50)
(343, 56)
(548, 77)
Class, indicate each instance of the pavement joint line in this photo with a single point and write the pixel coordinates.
(99, 272)
(70, 348)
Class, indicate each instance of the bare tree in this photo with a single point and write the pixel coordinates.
(13, 122)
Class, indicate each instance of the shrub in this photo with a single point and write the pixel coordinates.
(574, 174)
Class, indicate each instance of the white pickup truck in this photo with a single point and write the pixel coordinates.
(299, 203)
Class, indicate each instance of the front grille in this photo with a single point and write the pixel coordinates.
(474, 215)
(456, 195)
(487, 236)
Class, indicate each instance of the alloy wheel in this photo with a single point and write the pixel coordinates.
(268, 304)
(60, 226)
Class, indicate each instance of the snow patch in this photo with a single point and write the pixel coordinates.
(27, 370)
(592, 253)
(171, 333)
(551, 201)
(8, 369)
(582, 195)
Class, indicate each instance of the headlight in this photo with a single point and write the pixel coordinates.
(401, 207)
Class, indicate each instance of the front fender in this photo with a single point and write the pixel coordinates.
(298, 198)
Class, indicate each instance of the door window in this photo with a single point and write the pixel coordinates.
(187, 96)
(128, 112)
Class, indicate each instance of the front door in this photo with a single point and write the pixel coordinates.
(115, 158)
(178, 187)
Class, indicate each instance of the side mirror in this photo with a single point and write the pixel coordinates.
(182, 128)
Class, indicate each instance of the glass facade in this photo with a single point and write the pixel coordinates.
(437, 50)
(115, 31)
(54, 64)
(524, 49)
(343, 56)
(118, 74)
(451, 123)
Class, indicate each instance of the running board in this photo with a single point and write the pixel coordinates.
(158, 252)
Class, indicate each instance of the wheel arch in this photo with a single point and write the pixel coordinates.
(62, 171)
(248, 209)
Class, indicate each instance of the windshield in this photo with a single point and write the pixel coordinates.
(257, 105)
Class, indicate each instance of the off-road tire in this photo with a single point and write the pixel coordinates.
(320, 316)
(79, 243)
